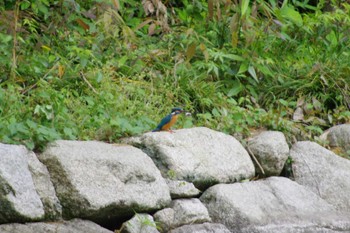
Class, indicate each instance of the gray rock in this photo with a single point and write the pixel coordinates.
(134, 141)
(271, 150)
(182, 212)
(202, 228)
(44, 187)
(140, 223)
(273, 203)
(198, 155)
(19, 200)
(165, 219)
(73, 226)
(189, 211)
(99, 181)
(338, 136)
(323, 172)
(182, 189)
(302, 227)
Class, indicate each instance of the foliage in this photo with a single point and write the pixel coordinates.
(109, 69)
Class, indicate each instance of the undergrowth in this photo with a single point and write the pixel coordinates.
(104, 70)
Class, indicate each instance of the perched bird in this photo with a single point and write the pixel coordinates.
(169, 120)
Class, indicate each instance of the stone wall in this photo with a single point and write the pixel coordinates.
(192, 180)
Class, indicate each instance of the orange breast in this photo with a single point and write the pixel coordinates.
(171, 123)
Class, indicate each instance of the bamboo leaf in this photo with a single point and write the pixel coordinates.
(243, 68)
(244, 6)
(252, 72)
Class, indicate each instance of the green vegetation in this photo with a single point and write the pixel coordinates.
(103, 70)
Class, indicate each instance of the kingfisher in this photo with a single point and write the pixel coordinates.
(169, 120)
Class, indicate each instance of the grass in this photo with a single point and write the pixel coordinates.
(111, 74)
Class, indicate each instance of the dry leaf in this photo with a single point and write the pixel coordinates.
(82, 24)
(298, 114)
(61, 70)
(191, 50)
(151, 29)
(210, 9)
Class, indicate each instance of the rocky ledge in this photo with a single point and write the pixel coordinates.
(192, 180)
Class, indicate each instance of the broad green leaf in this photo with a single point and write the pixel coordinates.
(252, 72)
(283, 102)
(5, 38)
(236, 89)
(243, 68)
(215, 112)
(234, 57)
(332, 38)
(31, 124)
(99, 77)
(292, 15)
(25, 5)
(244, 6)
(29, 144)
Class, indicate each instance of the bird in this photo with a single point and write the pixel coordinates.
(169, 120)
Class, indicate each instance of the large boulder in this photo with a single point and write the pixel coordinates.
(182, 212)
(198, 155)
(202, 228)
(271, 150)
(44, 187)
(100, 181)
(72, 226)
(19, 200)
(323, 172)
(274, 203)
(338, 136)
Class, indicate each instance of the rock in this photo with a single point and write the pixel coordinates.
(165, 219)
(189, 211)
(338, 136)
(323, 172)
(182, 212)
(44, 187)
(72, 226)
(182, 189)
(140, 223)
(297, 228)
(134, 141)
(271, 150)
(101, 182)
(198, 155)
(202, 228)
(273, 203)
(19, 200)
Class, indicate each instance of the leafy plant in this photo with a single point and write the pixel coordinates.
(106, 70)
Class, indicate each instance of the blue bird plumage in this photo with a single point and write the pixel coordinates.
(163, 122)
(169, 120)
